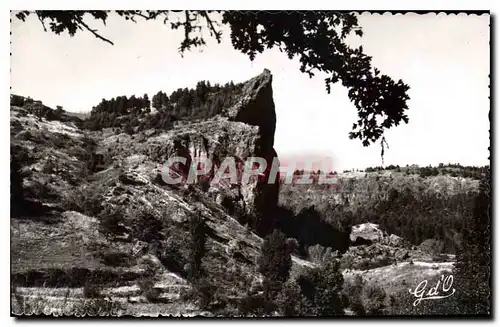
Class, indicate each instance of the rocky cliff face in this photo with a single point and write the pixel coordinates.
(245, 130)
(151, 234)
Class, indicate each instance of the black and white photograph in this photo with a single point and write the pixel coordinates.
(250, 164)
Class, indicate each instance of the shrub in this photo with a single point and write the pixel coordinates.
(373, 300)
(48, 168)
(205, 292)
(16, 100)
(101, 307)
(129, 130)
(41, 190)
(201, 292)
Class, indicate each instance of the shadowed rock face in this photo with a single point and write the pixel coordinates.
(256, 107)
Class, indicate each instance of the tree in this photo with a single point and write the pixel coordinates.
(318, 38)
(160, 100)
(275, 262)
(37, 109)
(147, 103)
(16, 100)
(327, 298)
(59, 111)
(291, 302)
(198, 238)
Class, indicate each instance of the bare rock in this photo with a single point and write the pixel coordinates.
(367, 231)
(246, 130)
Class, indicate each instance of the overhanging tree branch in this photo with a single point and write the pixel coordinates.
(94, 32)
(312, 36)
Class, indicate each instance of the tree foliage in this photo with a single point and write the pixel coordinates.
(275, 262)
(317, 38)
(291, 302)
(198, 238)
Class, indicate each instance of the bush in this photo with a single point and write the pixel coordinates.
(48, 168)
(16, 100)
(129, 130)
(73, 277)
(373, 300)
(41, 190)
(205, 293)
(101, 307)
(16, 186)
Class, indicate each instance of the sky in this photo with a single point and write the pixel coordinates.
(444, 58)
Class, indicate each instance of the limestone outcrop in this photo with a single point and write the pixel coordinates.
(245, 129)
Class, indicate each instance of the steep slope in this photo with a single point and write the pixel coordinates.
(101, 217)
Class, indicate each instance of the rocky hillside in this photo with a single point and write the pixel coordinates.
(99, 231)
(77, 182)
